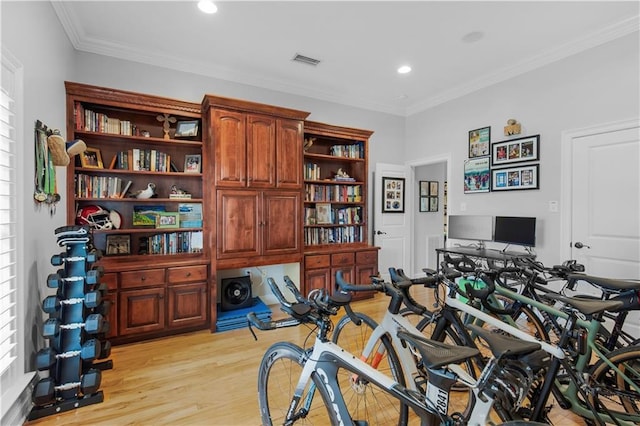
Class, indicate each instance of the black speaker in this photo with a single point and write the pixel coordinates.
(236, 293)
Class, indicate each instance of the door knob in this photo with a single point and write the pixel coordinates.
(579, 245)
(380, 233)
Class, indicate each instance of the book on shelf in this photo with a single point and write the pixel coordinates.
(123, 193)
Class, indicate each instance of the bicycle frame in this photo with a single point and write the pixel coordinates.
(327, 358)
(571, 391)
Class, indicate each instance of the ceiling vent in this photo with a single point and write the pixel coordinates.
(306, 60)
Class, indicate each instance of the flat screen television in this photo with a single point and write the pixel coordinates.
(515, 230)
(470, 227)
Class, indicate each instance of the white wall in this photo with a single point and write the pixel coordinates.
(31, 33)
(596, 86)
(427, 224)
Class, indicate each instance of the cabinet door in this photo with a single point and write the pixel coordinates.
(316, 278)
(289, 154)
(363, 276)
(281, 222)
(261, 151)
(141, 311)
(347, 275)
(187, 305)
(229, 142)
(238, 230)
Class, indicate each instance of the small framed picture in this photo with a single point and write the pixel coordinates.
(187, 129)
(424, 188)
(392, 195)
(118, 245)
(479, 140)
(515, 150)
(323, 213)
(433, 204)
(167, 220)
(433, 188)
(477, 175)
(91, 159)
(424, 204)
(193, 163)
(512, 178)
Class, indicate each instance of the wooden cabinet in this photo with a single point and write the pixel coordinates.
(255, 150)
(132, 140)
(356, 264)
(257, 156)
(252, 224)
(159, 301)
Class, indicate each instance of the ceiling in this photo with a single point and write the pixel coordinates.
(360, 43)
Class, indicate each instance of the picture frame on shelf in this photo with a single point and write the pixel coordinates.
(516, 178)
(193, 163)
(424, 188)
(392, 195)
(515, 151)
(323, 214)
(118, 245)
(187, 129)
(477, 175)
(424, 204)
(91, 158)
(479, 140)
(167, 220)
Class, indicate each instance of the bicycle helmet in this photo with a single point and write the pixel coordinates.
(98, 218)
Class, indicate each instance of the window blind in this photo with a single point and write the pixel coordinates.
(8, 228)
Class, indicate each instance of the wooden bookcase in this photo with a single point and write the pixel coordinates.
(160, 283)
(335, 206)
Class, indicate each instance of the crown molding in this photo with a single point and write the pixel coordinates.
(566, 50)
(81, 42)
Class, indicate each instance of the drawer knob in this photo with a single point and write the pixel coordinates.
(142, 278)
(188, 274)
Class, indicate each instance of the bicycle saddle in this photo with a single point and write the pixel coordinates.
(503, 345)
(588, 306)
(608, 283)
(436, 354)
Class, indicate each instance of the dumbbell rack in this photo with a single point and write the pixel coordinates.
(76, 329)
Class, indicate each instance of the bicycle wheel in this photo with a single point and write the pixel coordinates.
(365, 401)
(614, 392)
(279, 372)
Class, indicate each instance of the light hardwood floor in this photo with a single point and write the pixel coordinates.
(197, 379)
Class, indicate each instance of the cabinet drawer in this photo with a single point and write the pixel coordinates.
(144, 278)
(185, 274)
(342, 259)
(367, 257)
(111, 280)
(318, 261)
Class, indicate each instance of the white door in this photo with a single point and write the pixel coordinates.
(392, 226)
(605, 203)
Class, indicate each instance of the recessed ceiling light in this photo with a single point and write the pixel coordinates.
(473, 36)
(207, 6)
(404, 69)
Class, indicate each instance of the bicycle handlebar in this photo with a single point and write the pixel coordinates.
(271, 325)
